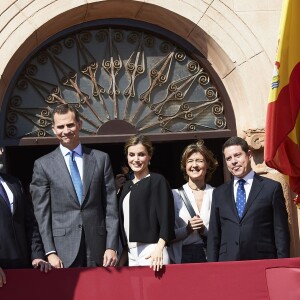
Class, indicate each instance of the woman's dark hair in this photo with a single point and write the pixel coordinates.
(139, 139)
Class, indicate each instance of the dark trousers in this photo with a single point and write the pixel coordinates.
(194, 253)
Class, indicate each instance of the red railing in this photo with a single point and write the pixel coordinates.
(248, 280)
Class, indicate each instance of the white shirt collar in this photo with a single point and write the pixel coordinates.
(65, 150)
(248, 178)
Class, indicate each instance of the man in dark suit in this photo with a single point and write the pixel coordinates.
(20, 242)
(74, 199)
(248, 215)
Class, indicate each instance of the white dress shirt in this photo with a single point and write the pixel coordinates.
(9, 193)
(77, 156)
(248, 184)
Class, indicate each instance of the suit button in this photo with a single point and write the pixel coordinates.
(237, 243)
(79, 226)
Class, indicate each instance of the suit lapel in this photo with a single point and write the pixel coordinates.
(89, 163)
(12, 185)
(232, 201)
(16, 196)
(254, 192)
(4, 204)
(59, 161)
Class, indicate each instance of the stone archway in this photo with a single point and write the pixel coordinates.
(213, 28)
(110, 73)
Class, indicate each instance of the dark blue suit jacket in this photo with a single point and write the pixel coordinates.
(20, 241)
(261, 233)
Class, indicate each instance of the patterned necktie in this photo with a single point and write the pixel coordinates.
(4, 196)
(75, 175)
(241, 197)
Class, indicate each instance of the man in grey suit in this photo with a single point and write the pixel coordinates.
(74, 199)
(248, 215)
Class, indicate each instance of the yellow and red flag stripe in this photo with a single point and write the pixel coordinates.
(282, 142)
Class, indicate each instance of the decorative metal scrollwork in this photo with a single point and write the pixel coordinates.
(114, 74)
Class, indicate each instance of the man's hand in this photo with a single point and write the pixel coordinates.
(41, 264)
(110, 258)
(55, 261)
(120, 179)
(2, 278)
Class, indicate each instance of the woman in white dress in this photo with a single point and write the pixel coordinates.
(192, 205)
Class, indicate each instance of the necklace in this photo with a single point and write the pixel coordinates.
(135, 180)
(197, 189)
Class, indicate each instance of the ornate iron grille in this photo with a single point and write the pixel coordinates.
(114, 74)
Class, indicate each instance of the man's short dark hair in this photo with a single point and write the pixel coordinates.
(63, 109)
(236, 141)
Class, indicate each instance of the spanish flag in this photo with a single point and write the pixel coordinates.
(282, 141)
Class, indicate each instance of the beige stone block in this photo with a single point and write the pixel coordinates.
(208, 1)
(13, 42)
(111, 1)
(165, 19)
(275, 4)
(248, 88)
(22, 4)
(235, 89)
(233, 31)
(30, 16)
(60, 11)
(7, 15)
(156, 12)
(29, 8)
(57, 19)
(4, 5)
(212, 51)
(9, 21)
(230, 47)
(111, 9)
(229, 4)
(245, 5)
(265, 27)
(192, 10)
(257, 5)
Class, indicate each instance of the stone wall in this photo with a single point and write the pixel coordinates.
(238, 37)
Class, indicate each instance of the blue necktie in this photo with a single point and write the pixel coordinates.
(241, 198)
(75, 175)
(4, 196)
